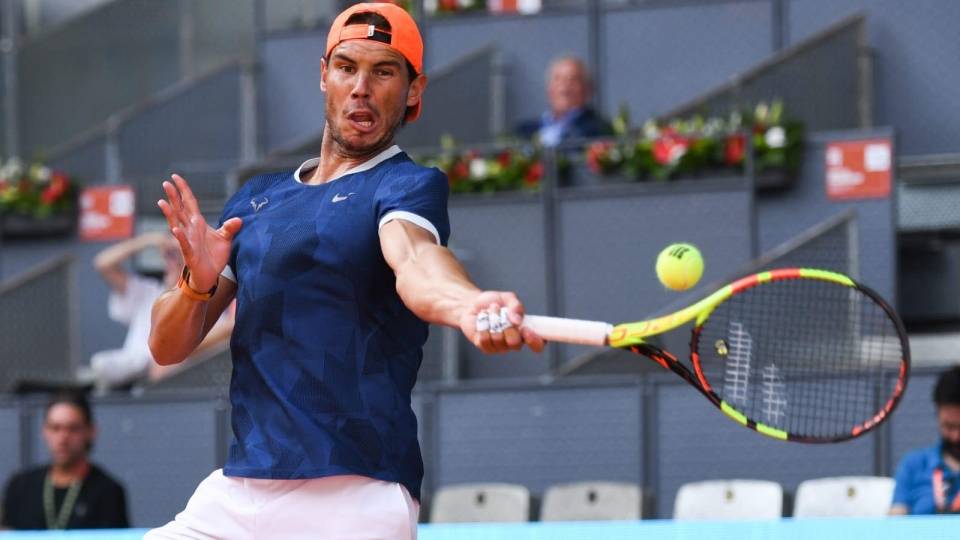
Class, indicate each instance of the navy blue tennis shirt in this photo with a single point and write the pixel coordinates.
(325, 354)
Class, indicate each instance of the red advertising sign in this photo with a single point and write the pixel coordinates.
(106, 213)
(859, 169)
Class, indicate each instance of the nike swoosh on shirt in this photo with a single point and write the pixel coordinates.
(338, 197)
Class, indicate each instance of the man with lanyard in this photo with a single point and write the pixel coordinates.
(70, 492)
(335, 267)
(928, 480)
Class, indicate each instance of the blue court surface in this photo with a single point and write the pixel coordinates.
(925, 527)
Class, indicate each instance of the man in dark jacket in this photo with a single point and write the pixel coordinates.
(70, 492)
(569, 89)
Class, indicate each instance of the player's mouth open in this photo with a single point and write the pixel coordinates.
(362, 120)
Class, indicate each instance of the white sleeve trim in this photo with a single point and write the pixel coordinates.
(419, 221)
(228, 273)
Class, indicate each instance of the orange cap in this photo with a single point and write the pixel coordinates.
(404, 36)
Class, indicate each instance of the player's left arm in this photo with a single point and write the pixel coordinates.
(434, 285)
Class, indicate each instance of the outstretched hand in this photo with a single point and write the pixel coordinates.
(493, 324)
(205, 250)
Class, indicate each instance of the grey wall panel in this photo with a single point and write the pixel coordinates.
(159, 451)
(928, 284)
(527, 45)
(695, 441)
(539, 437)
(34, 333)
(10, 442)
(914, 423)
(47, 13)
(785, 214)
(223, 29)
(915, 44)
(86, 163)
(198, 125)
(95, 330)
(458, 102)
(500, 241)
(818, 84)
(656, 59)
(610, 245)
(292, 103)
(75, 77)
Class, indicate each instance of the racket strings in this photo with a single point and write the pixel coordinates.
(809, 357)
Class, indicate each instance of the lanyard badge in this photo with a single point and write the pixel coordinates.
(940, 494)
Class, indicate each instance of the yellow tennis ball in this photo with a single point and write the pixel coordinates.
(679, 266)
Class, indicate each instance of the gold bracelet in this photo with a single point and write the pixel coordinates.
(184, 285)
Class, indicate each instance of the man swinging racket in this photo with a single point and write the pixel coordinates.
(337, 268)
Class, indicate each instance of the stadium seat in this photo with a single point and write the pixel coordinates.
(844, 496)
(591, 501)
(729, 499)
(466, 503)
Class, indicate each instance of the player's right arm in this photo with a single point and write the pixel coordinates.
(179, 322)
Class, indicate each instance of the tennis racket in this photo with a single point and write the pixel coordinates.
(796, 354)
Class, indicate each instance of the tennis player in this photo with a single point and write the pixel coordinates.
(335, 267)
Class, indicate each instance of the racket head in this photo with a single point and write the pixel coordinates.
(802, 355)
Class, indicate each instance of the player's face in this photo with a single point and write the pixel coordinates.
(67, 434)
(368, 92)
(948, 418)
(567, 88)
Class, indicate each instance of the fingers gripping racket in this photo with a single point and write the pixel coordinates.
(797, 354)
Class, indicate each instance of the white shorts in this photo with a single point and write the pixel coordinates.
(330, 508)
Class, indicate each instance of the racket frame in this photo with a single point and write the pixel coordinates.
(632, 337)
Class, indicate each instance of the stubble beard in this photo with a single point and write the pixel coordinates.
(346, 149)
(951, 449)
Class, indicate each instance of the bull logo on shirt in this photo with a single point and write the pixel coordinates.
(257, 205)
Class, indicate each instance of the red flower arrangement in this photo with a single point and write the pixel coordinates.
(665, 150)
(472, 172)
(34, 190)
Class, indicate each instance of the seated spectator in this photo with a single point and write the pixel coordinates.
(70, 492)
(928, 479)
(569, 90)
(130, 302)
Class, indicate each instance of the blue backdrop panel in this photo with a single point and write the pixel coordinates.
(500, 241)
(159, 451)
(782, 215)
(291, 100)
(914, 423)
(913, 43)
(656, 59)
(695, 441)
(539, 436)
(10, 442)
(528, 45)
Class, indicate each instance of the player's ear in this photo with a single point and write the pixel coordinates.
(417, 86)
(323, 74)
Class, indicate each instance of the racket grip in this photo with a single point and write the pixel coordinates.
(574, 331)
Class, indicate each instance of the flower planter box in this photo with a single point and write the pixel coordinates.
(774, 179)
(15, 225)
